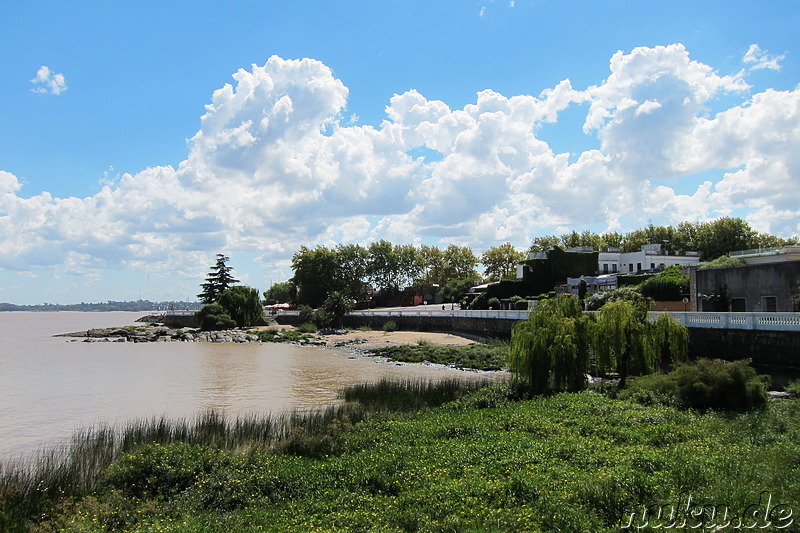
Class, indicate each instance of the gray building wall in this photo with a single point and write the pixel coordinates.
(750, 288)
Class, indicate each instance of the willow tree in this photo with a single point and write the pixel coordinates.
(551, 349)
(628, 342)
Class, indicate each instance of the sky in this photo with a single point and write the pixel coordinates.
(139, 139)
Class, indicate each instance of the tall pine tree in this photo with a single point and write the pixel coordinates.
(218, 279)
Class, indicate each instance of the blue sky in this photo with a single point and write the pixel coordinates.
(430, 122)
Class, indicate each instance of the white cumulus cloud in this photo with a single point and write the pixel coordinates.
(48, 82)
(277, 164)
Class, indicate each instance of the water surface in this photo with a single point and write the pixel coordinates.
(52, 386)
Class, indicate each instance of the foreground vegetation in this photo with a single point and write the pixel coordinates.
(486, 462)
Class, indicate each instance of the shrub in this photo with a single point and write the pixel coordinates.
(521, 305)
(704, 384)
(493, 303)
(390, 325)
(793, 388)
(307, 327)
(213, 317)
(306, 314)
(322, 318)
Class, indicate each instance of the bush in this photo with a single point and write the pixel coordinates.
(307, 327)
(704, 384)
(493, 303)
(306, 314)
(213, 317)
(390, 325)
(322, 319)
(521, 305)
(793, 388)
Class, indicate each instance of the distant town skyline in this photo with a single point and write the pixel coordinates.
(140, 139)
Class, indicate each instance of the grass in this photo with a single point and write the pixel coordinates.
(476, 356)
(570, 462)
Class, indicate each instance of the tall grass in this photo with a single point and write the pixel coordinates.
(33, 487)
(410, 394)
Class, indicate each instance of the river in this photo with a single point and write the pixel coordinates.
(52, 386)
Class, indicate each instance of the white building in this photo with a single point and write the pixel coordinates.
(649, 259)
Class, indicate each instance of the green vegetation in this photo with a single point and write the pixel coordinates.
(218, 279)
(338, 305)
(712, 239)
(389, 326)
(500, 262)
(242, 304)
(704, 384)
(302, 334)
(670, 285)
(552, 350)
(214, 317)
(570, 462)
(227, 305)
(475, 356)
(723, 261)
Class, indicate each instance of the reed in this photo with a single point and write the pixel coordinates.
(406, 395)
(33, 487)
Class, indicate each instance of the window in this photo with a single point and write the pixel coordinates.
(738, 305)
(769, 304)
(638, 267)
(605, 268)
(652, 266)
(613, 267)
(630, 267)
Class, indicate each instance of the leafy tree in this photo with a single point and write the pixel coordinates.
(551, 349)
(455, 289)
(628, 342)
(544, 243)
(217, 280)
(351, 271)
(279, 293)
(459, 263)
(242, 305)
(213, 317)
(501, 261)
(315, 274)
(338, 305)
(669, 285)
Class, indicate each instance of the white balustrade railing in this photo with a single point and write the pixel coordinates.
(756, 321)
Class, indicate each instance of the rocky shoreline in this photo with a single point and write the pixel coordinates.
(154, 333)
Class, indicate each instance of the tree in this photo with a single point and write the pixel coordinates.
(314, 274)
(242, 305)
(279, 293)
(338, 305)
(626, 341)
(459, 263)
(217, 280)
(501, 261)
(551, 349)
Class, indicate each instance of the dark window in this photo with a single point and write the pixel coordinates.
(769, 304)
(605, 268)
(738, 305)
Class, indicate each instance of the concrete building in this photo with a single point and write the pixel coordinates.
(768, 282)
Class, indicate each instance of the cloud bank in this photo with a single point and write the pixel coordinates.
(275, 165)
